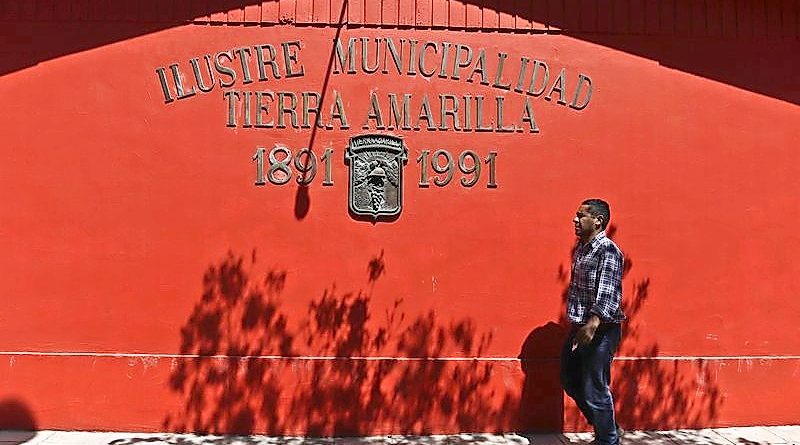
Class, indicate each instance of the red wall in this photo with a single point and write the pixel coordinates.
(150, 285)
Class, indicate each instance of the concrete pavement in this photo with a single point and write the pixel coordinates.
(757, 435)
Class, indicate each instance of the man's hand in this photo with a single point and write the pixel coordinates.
(585, 334)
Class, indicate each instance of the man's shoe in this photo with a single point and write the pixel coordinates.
(620, 432)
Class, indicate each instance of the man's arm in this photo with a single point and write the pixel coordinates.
(609, 295)
(609, 288)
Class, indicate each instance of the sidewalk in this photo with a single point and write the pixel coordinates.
(721, 436)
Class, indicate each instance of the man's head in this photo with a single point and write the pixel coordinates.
(591, 218)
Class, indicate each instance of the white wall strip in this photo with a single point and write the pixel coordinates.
(375, 358)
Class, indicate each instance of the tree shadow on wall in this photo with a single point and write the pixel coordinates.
(373, 370)
(649, 393)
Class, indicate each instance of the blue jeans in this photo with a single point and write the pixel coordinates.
(585, 376)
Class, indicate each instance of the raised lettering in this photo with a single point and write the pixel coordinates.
(224, 70)
(246, 107)
(461, 63)
(374, 113)
(263, 108)
(445, 111)
(558, 86)
(498, 78)
(231, 96)
(263, 62)
(546, 76)
(523, 69)
(343, 58)
(480, 68)
(290, 58)
(412, 62)
(199, 77)
(479, 113)
(396, 115)
(422, 70)
(162, 78)
(397, 56)
(176, 76)
(337, 112)
(283, 109)
(582, 80)
(244, 54)
(365, 55)
(307, 109)
(527, 116)
(445, 59)
(425, 113)
(467, 113)
(500, 127)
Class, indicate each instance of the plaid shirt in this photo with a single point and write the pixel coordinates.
(596, 283)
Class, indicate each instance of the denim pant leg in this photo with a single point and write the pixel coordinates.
(571, 377)
(596, 377)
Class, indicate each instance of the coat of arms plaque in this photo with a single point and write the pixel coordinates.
(376, 174)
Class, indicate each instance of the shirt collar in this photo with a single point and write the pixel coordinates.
(596, 240)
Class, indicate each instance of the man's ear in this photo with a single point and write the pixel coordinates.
(599, 221)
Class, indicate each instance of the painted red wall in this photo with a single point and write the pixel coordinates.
(150, 285)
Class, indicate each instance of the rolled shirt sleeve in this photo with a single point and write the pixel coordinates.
(609, 287)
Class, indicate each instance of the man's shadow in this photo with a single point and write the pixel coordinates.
(542, 400)
(16, 416)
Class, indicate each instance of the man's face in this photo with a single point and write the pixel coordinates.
(585, 223)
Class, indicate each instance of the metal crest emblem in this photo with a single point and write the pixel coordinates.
(376, 174)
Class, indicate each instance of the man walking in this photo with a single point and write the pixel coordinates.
(593, 308)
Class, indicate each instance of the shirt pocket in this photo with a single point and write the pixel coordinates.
(589, 273)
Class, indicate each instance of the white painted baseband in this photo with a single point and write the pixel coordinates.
(376, 358)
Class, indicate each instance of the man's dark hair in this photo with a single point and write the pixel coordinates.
(598, 207)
